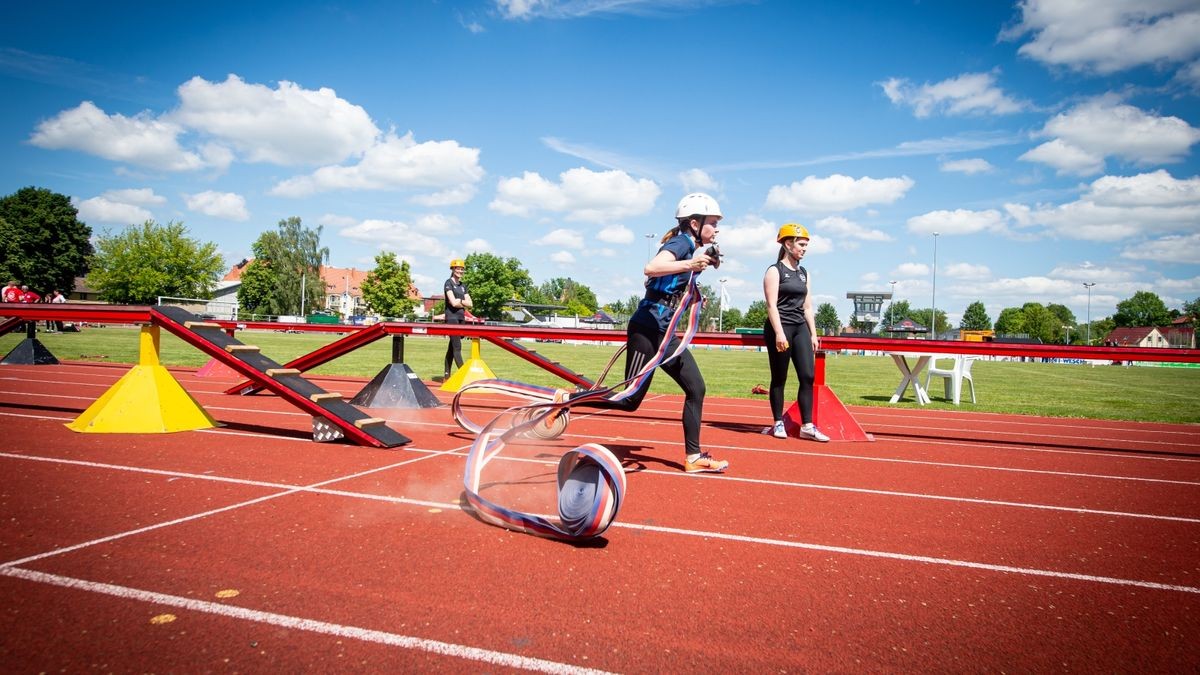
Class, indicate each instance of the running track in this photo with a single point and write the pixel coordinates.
(955, 542)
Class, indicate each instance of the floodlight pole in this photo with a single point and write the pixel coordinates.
(1088, 285)
(649, 245)
(892, 304)
(933, 319)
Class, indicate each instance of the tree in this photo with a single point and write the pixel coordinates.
(731, 318)
(42, 242)
(1063, 313)
(1011, 321)
(710, 311)
(385, 290)
(756, 315)
(623, 309)
(923, 316)
(1040, 322)
(1143, 309)
(1192, 309)
(896, 312)
(975, 317)
(577, 297)
(827, 319)
(495, 282)
(291, 257)
(149, 260)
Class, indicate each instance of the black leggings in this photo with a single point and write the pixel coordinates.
(453, 350)
(641, 345)
(800, 353)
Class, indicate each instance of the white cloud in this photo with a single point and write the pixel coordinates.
(437, 223)
(837, 226)
(615, 234)
(226, 205)
(1066, 158)
(288, 125)
(105, 210)
(1119, 207)
(1107, 37)
(1189, 76)
(968, 166)
(696, 180)
(1173, 249)
(478, 246)
(967, 271)
(911, 270)
(561, 237)
(562, 257)
(582, 194)
(836, 193)
(958, 221)
(397, 162)
(460, 194)
(395, 235)
(334, 220)
(142, 140)
(967, 94)
(1103, 127)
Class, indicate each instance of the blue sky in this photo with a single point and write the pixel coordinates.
(1048, 142)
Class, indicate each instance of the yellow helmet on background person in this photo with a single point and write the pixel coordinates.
(458, 262)
(788, 230)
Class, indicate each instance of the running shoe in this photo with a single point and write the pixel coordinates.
(779, 431)
(810, 431)
(705, 464)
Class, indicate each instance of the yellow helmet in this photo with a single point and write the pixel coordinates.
(458, 262)
(788, 230)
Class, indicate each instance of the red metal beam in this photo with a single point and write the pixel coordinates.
(320, 356)
(136, 314)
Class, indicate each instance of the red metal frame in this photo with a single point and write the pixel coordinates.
(320, 356)
(139, 314)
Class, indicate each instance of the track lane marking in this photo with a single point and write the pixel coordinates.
(451, 649)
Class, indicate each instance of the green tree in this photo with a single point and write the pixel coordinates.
(385, 290)
(494, 282)
(1192, 309)
(623, 309)
(257, 290)
(149, 260)
(710, 312)
(731, 318)
(896, 312)
(577, 297)
(827, 319)
(292, 255)
(1143, 309)
(922, 316)
(1011, 321)
(975, 317)
(756, 315)
(1041, 323)
(42, 241)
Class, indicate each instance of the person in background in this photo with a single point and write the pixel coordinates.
(11, 292)
(667, 275)
(790, 331)
(57, 299)
(29, 297)
(458, 301)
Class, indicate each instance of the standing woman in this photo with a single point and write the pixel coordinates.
(458, 301)
(667, 275)
(790, 331)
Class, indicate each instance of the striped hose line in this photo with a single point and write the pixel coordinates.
(591, 480)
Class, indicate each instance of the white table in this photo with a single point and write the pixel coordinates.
(910, 375)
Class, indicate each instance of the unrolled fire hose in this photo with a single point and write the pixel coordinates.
(591, 480)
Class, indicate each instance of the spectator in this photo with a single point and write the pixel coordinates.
(11, 292)
(57, 299)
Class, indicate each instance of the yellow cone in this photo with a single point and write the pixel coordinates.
(474, 369)
(146, 400)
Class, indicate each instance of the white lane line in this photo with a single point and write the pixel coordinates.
(1008, 569)
(452, 507)
(1041, 437)
(297, 623)
(286, 490)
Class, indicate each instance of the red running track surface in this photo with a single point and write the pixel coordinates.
(957, 541)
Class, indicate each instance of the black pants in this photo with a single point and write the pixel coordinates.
(454, 349)
(641, 344)
(800, 354)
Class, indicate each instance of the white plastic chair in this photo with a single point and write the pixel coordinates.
(954, 376)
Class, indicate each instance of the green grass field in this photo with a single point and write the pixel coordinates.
(1151, 394)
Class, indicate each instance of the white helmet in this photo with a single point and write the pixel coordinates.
(697, 204)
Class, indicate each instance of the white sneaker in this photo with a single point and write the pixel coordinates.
(812, 432)
(779, 431)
